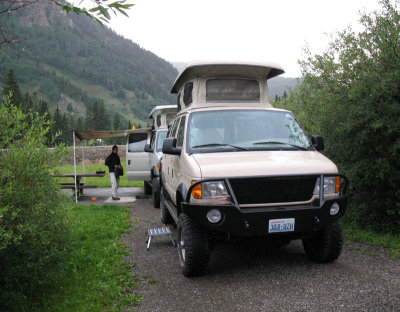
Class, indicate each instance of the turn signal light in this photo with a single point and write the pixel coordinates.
(196, 191)
(158, 167)
(337, 188)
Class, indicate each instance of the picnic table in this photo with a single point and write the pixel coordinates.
(79, 185)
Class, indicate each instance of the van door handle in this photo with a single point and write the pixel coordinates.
(129, 162)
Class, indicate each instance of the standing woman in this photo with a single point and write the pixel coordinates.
(113, 162)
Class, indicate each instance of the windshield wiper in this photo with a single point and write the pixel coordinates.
(220, 144)
(282, 143)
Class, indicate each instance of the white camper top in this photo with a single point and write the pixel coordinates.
(162, 115)
(224, 83)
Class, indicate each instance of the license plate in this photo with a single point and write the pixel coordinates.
(281, 225)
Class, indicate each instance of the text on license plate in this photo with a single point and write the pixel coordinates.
(281, 225)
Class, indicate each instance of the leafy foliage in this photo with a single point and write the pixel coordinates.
(33, 228)
(351, 96)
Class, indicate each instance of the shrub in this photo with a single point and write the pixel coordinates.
(33, 227)
(351, 96)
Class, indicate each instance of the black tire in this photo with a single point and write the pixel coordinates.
(147, 188)
(193, 247)
(325, 245)
(166, 217)
(155, 194)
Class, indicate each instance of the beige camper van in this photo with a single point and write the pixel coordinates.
(235, 166)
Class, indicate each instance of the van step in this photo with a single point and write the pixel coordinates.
(158, 232)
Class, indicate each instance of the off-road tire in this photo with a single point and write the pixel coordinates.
(193, 246)
(165, 216)
(325, 245)
(154, 194)
(147, 188)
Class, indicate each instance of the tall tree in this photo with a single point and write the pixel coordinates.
(351, 96)
(11, 86)
(117, 125)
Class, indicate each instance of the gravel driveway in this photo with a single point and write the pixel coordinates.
(252, 276)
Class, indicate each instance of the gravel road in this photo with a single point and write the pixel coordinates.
(252, 276)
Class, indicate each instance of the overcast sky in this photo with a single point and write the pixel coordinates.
(256, 30)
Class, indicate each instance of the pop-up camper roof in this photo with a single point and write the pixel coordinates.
(222, 69)
(203, 84)
(162, 115)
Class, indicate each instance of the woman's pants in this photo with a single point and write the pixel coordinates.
(114, 184)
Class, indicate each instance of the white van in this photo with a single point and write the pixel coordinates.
(143, 150)
(235, 166)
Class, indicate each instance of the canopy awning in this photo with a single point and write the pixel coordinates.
(105, 134)
(98, 134)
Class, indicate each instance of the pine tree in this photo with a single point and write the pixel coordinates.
(11, 86)
(28, 103)
(79, 124)
(117, 122)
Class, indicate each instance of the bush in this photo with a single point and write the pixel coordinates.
(33, 227)
(351, 96)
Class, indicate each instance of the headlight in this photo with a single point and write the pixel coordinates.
(331, 185)
(211, 192)
(209, 189)
(214, 189)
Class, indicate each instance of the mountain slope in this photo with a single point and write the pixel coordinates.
(71, 59)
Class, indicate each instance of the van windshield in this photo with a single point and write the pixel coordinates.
(239, 130)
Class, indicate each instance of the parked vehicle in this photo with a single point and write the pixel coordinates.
(144, 151)
(235, 166)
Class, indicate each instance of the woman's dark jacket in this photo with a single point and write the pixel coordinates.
(112, 160)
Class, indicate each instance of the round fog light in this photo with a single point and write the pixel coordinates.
(334, 209)
(214, 215)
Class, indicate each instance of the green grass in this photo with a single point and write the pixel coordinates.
(95, 277)
(100, 182)
(377, 239)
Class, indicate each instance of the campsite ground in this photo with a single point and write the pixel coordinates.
(252, 276)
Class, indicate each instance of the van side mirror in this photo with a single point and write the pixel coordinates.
(318, 142)
(148, 149)
(169, 147)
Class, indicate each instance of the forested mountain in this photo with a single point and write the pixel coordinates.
(71, 62)
(279, 85)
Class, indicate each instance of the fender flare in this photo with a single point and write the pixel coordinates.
(162, 178)
(183, 190)
(154, 172)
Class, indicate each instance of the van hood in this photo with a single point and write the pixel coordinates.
(262, 163)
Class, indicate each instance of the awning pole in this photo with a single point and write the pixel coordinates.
(83, 161)
(73, 140)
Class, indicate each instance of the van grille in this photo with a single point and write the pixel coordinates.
(266, 190)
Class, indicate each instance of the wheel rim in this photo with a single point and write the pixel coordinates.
(181, 246)
(162, 204)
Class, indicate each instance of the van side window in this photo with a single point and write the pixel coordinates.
(181, 132)
(137, 142)
(171, 133)
(152, 140)
(187, 95)
(158, 120)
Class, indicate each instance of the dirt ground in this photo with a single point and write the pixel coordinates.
(252, 276)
